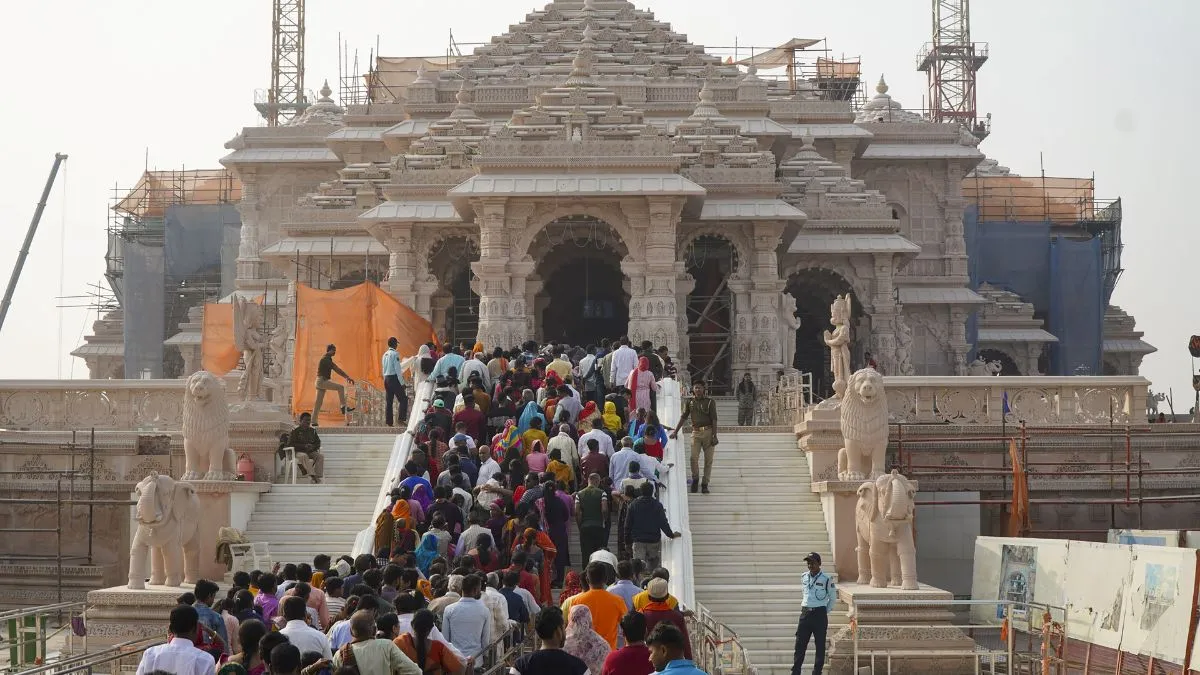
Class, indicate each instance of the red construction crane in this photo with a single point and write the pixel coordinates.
(952, 61)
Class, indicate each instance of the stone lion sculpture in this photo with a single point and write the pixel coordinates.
(168, 533)
(206, 451)
(864, 419)
(883, 519)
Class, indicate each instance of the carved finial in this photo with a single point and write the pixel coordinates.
(752, 70)
(464, 94)
(589, 6)
(326, 92)
(882, 87)
(807, 142)
(706, 95)
(421, 79)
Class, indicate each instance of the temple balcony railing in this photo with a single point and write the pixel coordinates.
(43, 405)
(981, 400)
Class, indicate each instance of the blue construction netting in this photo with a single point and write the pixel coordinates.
(1076, 306)
(142, 303)
(1062, 279)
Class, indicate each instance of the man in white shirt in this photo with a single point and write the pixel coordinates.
(618, 464)
(392, 386)
(305, 637)
(466, 540)
(566, 447)
(488, 466)
(179, 656)
(605, 441)
(476, 366)
(624, 360)
(467, 624)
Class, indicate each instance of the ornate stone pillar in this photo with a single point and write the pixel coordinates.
(439, 305)
(883, 319)
(956, 245)
(401, 280)
(501, 293)
(684, 285)
(766, 304)
(249, 265)
(653, 307)
(742, 328)
(958, 339)
(535, 303)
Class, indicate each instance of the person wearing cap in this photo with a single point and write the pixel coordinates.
(820, 594)
(658, 610)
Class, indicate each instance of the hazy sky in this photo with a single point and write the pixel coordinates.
(1104, 87)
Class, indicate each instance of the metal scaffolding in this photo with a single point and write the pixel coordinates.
(952, 61)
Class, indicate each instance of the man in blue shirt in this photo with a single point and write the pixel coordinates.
(666, 643)
(820, 594)
(392, 386)
(206, 595)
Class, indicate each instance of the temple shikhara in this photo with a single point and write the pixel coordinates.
(906, 331)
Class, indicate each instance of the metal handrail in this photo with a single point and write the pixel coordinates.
(500, 654)
(401, 450)
(84, 663)
(35, 635)
(716, 648)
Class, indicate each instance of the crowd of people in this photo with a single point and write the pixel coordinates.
(473, 547)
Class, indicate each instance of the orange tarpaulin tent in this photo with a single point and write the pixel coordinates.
(359, 320)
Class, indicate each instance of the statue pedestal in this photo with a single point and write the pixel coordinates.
(259, 411)
(919, 633)
(820, 435)
(117, 615)
(223, 503)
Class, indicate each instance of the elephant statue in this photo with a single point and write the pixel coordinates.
(168, 533)
(883, 520)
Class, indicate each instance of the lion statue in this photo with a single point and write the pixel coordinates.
(206, 451)
(864, 419)
(883, 520)
(168, 533)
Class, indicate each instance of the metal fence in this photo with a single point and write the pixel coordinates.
(716, 648)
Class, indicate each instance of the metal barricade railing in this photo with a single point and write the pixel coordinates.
(716, 648)
(784, 405)
(26, 633)
(120, 656)
(499, 656)
(998, 637)
(368, 403)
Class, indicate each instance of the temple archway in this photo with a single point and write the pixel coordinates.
(814, 290)
(580, 293)
(455, 305)
(1008, 365)
(711, 262)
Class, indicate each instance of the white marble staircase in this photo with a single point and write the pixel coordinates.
(749, 538)
(299, 521)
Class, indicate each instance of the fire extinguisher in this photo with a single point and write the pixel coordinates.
(245, 467)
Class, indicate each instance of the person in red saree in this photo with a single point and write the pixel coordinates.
(640, 383)
(404, 525)
(531, 541)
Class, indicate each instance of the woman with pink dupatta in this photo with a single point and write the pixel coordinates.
(640, 383)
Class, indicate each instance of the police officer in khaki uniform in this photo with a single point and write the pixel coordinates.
(702, 410)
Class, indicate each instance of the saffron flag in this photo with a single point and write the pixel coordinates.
(1018, 517)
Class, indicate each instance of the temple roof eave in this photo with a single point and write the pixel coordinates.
(740, 209)
(255, 156)
(411, 211)
(856, 243)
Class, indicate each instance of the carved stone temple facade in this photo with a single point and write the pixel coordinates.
(592, 160)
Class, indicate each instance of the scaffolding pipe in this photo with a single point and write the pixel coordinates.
(59, 158)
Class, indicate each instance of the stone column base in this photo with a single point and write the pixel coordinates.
(914, 647)
(117, 614)
(820, 435)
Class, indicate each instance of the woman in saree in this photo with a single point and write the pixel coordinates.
(640, 383)
(422, 495)
(555, 520)
(404, 525)
(528, 414)
(572, 586)
(510, 440)
(533, 539)
(612, 421)
(427, 552)
(583, 642)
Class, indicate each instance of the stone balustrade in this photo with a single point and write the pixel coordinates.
(40, 405)
(1035, 400)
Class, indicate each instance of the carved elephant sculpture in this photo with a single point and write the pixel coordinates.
(167, 539)
(883, 519)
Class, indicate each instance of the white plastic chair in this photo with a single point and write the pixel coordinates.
(250, 556)
(290, 466)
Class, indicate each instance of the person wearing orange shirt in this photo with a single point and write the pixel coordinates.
(607, 608)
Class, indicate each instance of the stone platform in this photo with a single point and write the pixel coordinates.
(918, 630)
(117, 614)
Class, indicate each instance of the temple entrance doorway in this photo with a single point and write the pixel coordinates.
(710, 262)
(583, 297)
(814, 290)
(455, 304)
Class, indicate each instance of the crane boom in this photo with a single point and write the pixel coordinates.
(59, 158)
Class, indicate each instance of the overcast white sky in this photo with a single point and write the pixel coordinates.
(1099, 86)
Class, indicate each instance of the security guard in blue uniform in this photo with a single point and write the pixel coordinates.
(820, 594)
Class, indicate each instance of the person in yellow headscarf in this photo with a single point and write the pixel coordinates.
(477, 349)
(612, 421)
